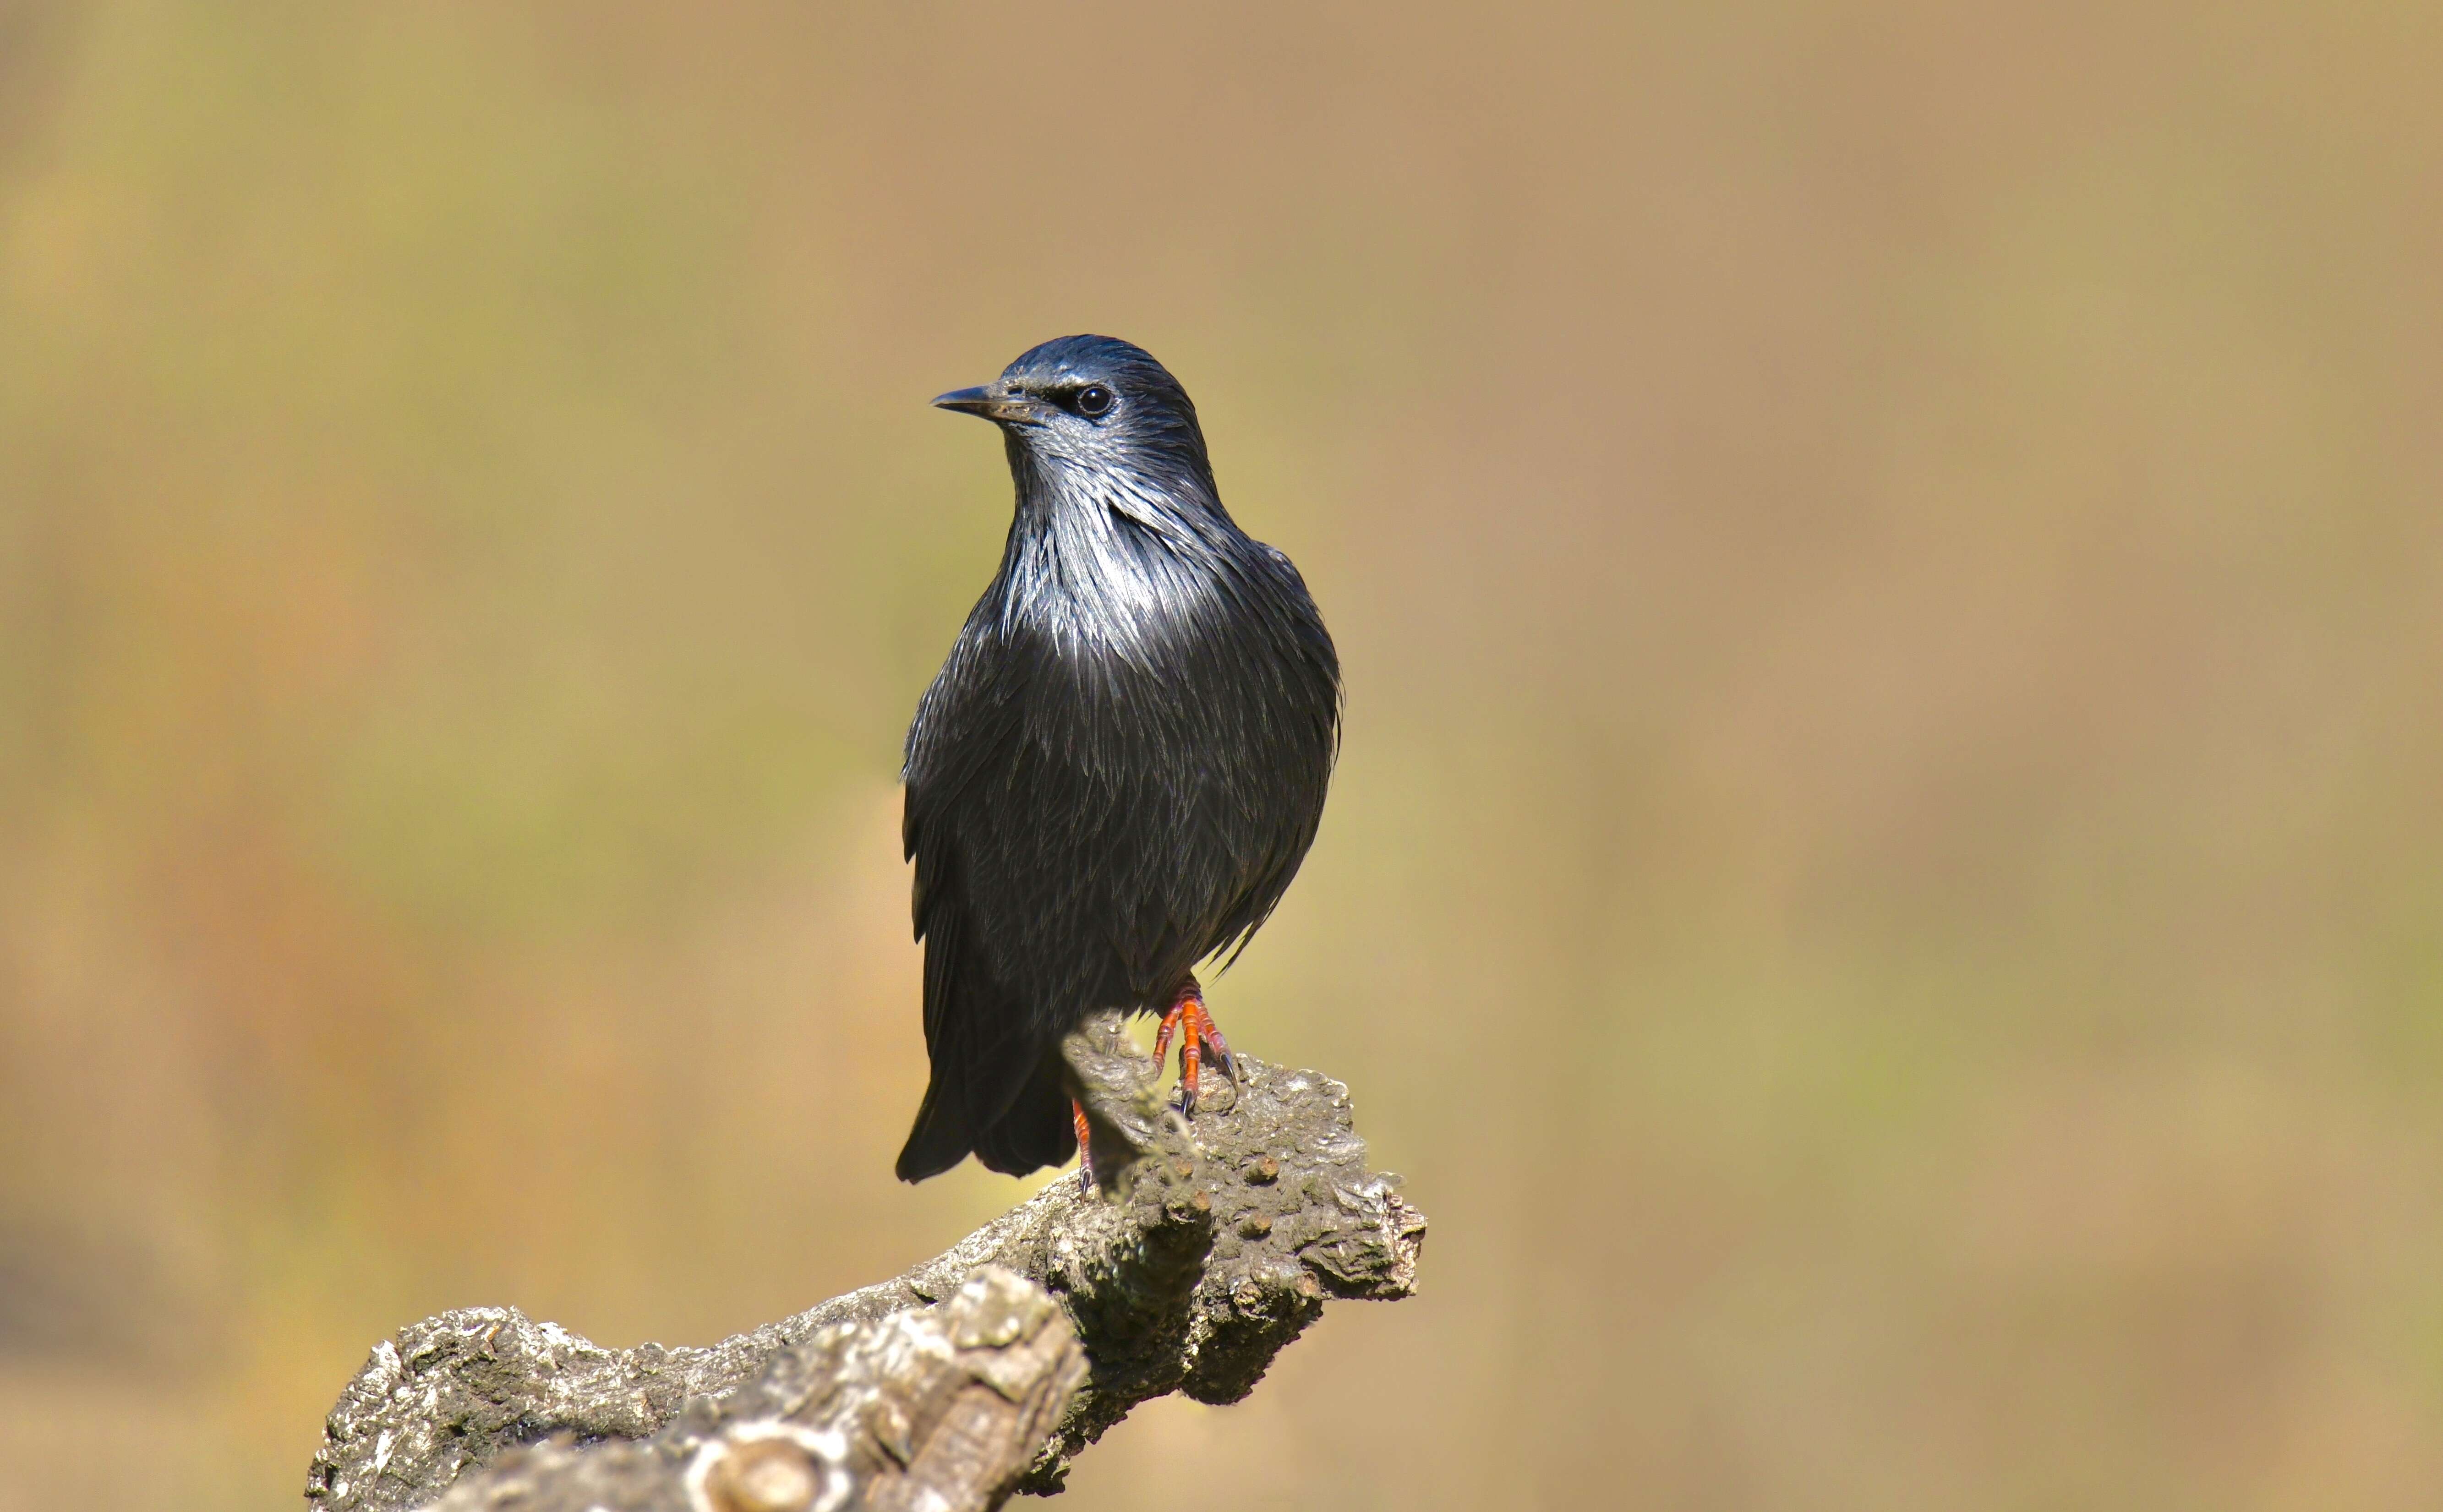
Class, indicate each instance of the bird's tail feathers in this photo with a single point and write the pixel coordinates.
(1035, 1130)
(1003, 1101)
(940, 1138)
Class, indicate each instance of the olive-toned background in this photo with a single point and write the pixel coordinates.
(1885, 886)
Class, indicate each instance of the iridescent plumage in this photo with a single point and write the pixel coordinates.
(1122, 763)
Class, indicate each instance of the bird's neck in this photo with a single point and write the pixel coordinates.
(1113, 558)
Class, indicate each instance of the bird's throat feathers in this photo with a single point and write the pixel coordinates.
(1115, 558)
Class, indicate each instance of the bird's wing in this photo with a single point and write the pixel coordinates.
(1004, 839)
(965, 727)
(1292, 746)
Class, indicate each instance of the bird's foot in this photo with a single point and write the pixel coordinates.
(1196, 1031)
(1085, 1147)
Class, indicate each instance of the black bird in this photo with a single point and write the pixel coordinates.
(1118, 770)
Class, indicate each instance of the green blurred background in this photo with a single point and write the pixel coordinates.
(1885, 886)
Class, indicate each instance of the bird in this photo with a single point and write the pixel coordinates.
(1120, 765)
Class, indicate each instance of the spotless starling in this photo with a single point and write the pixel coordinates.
(1120, 767)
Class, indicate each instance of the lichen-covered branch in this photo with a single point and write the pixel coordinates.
(1212, 1245)
(940, 1408)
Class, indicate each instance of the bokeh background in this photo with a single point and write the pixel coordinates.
(1885, 886)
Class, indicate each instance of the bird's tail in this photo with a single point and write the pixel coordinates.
(940, 1138)
(1023, 1127)
(1035, 1131)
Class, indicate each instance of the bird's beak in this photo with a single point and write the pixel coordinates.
(985, 402)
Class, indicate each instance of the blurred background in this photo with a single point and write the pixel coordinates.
(1885, 886)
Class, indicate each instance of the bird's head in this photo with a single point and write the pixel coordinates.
(1092, 404)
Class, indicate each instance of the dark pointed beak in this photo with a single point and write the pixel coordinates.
(986, 402)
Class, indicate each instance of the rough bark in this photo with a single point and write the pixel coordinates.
(1210, 1246)
(936, 1408)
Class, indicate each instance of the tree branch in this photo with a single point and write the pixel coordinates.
(1211, 1247)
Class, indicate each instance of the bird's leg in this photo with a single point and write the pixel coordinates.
(1085, 1146)
(1197, 1030)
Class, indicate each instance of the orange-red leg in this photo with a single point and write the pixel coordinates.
(1196, 1031)
(1085, 1146)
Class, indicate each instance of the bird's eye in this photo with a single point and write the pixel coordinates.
(1093, 399)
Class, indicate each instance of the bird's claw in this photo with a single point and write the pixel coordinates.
(1085, 1147)
(1197, 1033)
